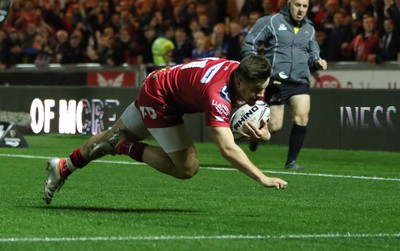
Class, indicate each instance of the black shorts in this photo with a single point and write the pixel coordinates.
(278, 93)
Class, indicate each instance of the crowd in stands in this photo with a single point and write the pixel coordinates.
(116, 32)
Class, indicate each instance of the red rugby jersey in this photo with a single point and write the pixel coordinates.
(197, 86)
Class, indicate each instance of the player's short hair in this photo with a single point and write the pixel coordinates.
(253, 68)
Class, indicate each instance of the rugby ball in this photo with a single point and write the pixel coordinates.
(246, 113)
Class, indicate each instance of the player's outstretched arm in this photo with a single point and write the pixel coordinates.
(223, 137)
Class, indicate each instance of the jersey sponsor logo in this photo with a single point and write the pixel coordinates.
(210, 73)
(220, 108)
(283, 75)
(148, 111)
(282, 27)
(224, 93)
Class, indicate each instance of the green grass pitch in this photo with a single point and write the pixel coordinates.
(344, 200)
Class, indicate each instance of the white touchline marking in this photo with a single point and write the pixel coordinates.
(317, 174)
(200, 237)
(220, 168)
(47, 157)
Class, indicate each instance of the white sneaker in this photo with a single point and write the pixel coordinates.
(54, 180)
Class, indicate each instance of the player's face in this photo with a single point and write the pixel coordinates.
(298, 9)
(251, 92)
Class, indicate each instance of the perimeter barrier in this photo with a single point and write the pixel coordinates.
(354, 106)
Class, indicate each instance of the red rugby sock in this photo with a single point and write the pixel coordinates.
(133, 149)
(77, 159)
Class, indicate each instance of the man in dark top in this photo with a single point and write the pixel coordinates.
(288, 40)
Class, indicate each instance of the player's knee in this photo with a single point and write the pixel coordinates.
(187, 171)
(301, 120)
(186, 174)
(274, 127)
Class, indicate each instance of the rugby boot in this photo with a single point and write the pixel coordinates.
(54, 179)
(253, 145)
(293, 166)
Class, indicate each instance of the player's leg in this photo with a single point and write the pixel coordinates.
(112, 138)
(275, 122)
(181, 164)
(60, 168)
(176, 155)
(300, 108)
(176, 146)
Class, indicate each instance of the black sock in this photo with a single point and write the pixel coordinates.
(296, 140)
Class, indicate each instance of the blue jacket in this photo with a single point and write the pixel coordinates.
(292, 55)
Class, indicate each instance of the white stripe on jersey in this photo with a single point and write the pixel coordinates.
(211, 72)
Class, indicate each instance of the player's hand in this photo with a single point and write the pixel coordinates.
(321, 64)
(272, 182)
(254, 133)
